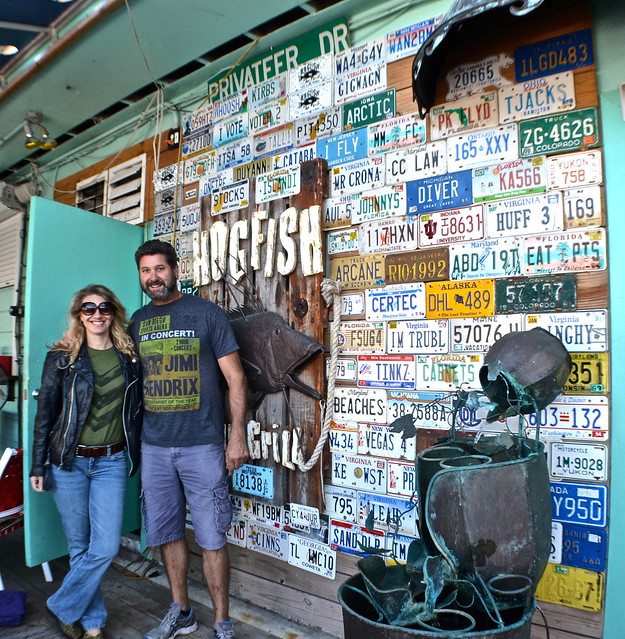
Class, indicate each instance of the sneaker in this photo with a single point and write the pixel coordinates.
(70, 630)
(173, 624)
(224, 630)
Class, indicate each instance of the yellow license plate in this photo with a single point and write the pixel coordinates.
(589, 374)
(474, 298)
(359, 271)
(574, 587)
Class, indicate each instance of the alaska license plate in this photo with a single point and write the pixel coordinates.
(478, 334)
(589, 374)
(580, 461)
(386, 371)
(577, 330)
(456, 225)
(485, 146)
(578, 503)
(524, 215)
(534, 294)
(417, 336)
(428, 264)
(254, 480)
(582, 207)
(495, 257)
(449, 372)
(510, 179)
(394, 302)
(574, 587)
(569, 251)
(472, 298)
(363, 473)
(574, 169)
(312, 556)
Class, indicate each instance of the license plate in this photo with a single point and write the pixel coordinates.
(389, 201)
(574, 169)
(358, 271)
(402, 479)
(415, 163)
(466, 114)
(197, 131)
(269, 116)
(290, 159)
(582, 207)
(369, 110)
(441, 192)
(312, 73)
(318, 126)
(352, 304)
(268, 541)
(230, 106)
(337, 212)
(163, 224)
(263, 513)
(574, 587)
(167, 177)
(237, 532)
(252, 169)
(584, 548)
(408, 40)
(274, 141)
(386, 371)
(478, 334)
(344, 147)
(186, 287)
(278, 184)
(556, 133)
(357, 338)
(304, 517)
(427, 409)
(208, 183)
(572, 417)
(164, 200)
(185, 267)
(578, 503)
(231, 129)
(510, 179)
(363, 473)
(267, 91)
(455, 225)
(428, 264)
(360, 70)
(351, 538)
(230, 198)
(472, 298)
(569, 251)
(360, 404)
(589, 374)
(577, 330)
(417, 336)
(532, 294)
(198, 167)
(346, 369)
(476, 76)
(189, 218)
(184, 244)
(549, 94)
(379, 440)
(485, 146)
(340, 503)
(579, 461)
(342, 241)
(393, 235)
(485, 258)
(448, 372)
(389, 513)
(238, 152)
(312, 556)
(343, 437)
(312, 100)
(556, 543)
(524, 215)
(254, 480)
(358, 176)
(396, 133)
(396, 301)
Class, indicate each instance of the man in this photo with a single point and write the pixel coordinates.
(186, 345)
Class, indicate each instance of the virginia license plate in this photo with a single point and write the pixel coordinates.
(379, 440)
(360, 70)
(363, 473)
(358, 176)
(485, 146)
(369, 110)
(230, 198)
(312, 556)
(359, 271)
(389, 513)
(396, 301)
(577, 330)
(268, 541)
(357, 338)
(485, 258)
(427, 409)
(574, 587)
(574, 169)
(386, 371)
(478, 334)
(441, 192)
(532, 294)
(589, 374)
(582, 207)
(342, 241)
(524, 215)
(396, 133)
(337, 212)
(394, 235)
(428, 264)
(278, 184)
(455, 225)
(417, 162)
(352, 304)
(417, 336)
(254, 480)
(579, 461)
(343, 437)
(343, 148)
(471, 298)
(466, 114)
(578, 503)
(510, 179)
(360, 404)
(340, 503)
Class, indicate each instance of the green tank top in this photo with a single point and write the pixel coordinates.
(104, 423)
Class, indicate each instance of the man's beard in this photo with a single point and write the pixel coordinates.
(164, 293)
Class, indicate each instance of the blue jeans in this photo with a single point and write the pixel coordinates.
(90, 499)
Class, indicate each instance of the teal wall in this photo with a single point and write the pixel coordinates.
(9, 431)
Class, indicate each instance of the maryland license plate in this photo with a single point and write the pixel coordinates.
(569, 251)
(579, 461)
(360, 404)
(478, 334)
(417, 336)
(417, 162)
(578, 503)
(386, 371)
(524, 215)
(574, 587)
(473, 298)
(456, 225)
(485, 258)
(577, 330)
(589, 374)
(485, 146)
(574, 169)
(449, 372)
(582, 207)
(509, 179)
(534, 294)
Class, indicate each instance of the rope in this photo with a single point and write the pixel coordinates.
(331, 291)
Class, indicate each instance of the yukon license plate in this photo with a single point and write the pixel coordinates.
(581, 461)
(449, 372)
(478, 334)
(360, 404)
(379, 440)
(578, 503)
(574, 169)
(363, 473)
(428, 264)
(386, 371)
(466, 114)
(254, 480)
(388, 513)
(533, 294)
(456, 225)
(582, 207)
(510, 179)
(395, 234)
(577, 330)
(417, 336)
(569, 251)
(312, 556)
(473, 298)
(589, 374)
(396, 301)
(419, 409)
(340, 503)
(396, 133)
(485, 146)
(524, 215)
(573, 587)
(496, 257)
(358, 338)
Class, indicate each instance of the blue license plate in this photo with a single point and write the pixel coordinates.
(577, 503)
(254, 480)
(449, 191)
(584, 547)
(344, 147)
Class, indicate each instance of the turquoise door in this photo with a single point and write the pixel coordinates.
(67, 248)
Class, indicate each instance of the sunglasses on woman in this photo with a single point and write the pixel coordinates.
(89, 308)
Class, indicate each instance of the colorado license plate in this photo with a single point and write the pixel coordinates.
(589, 374)
(569, 251)
(485, 258)
(456, 225)
(579, 461)
(478, 334)
(532, 294)
(577, 330)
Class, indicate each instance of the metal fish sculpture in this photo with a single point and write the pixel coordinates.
(271, 351)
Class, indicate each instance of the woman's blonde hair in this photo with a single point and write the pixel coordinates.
(74, 336)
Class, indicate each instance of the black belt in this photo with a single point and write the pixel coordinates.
(100, 451)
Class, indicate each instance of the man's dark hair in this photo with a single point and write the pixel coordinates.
(157, 247)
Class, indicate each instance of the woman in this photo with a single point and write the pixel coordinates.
(88, 413)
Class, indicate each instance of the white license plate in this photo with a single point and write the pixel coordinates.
(342, 241)
(269, 116)
(540, 96)
(398, 546)
(352, 304)
(566, 252)
(396, 301)
(263, 513)
(352, 538)
(510, 179)
(230, 106)
(402, 479)
(417, 336)
(268, 541)
(357, 338)
(163, 224)
(455, 225)
(185, 267)
(572, 417)
(164, 200)
(337, 212)
(485, 146)
(312, 100)
(312, 73)
(167, 177)
(189, 218)
(396, 133)
(304, 517)
(200, 166)
(500, 257)
(579, 331)
(230, 198)
(209, 183)
(315, 127)
(586, 462)
(389, 513)
(360, 404)
(449, 372)
(478, 334)
(582, 207)
(389, 201)
(290, 159)
(267, 91)
(524, 215)
(415, 163)
(346, 369)
(408, 40)
(231, 130)
(239, 152)
(357, 176)
(312, 556)
(477, 111)
(360, 70)
(343, 437)
(379, 440)
(364, 473)
(184, 244)
(278, 184)
(556, 543)
(574, 169)
(274, 141)
(340, 503)
(237, 532)
(386, 371)
(475, 76)
(427, 409)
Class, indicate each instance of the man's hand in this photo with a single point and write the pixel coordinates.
(236, 452)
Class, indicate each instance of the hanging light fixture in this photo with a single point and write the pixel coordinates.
(41, 138)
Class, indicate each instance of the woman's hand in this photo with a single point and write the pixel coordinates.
(37, 484)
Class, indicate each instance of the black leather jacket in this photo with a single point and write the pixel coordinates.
(63, 406)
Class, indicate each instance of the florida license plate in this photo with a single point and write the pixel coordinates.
(449, 372)
(357, 338)
(579, 461)
(396, 133)
(231, 129)
(389, 201)
(274, 141)
(478, 334)
(466, 114)
(569, 251)
(342, 241)
(278, 184)
(510, 179)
